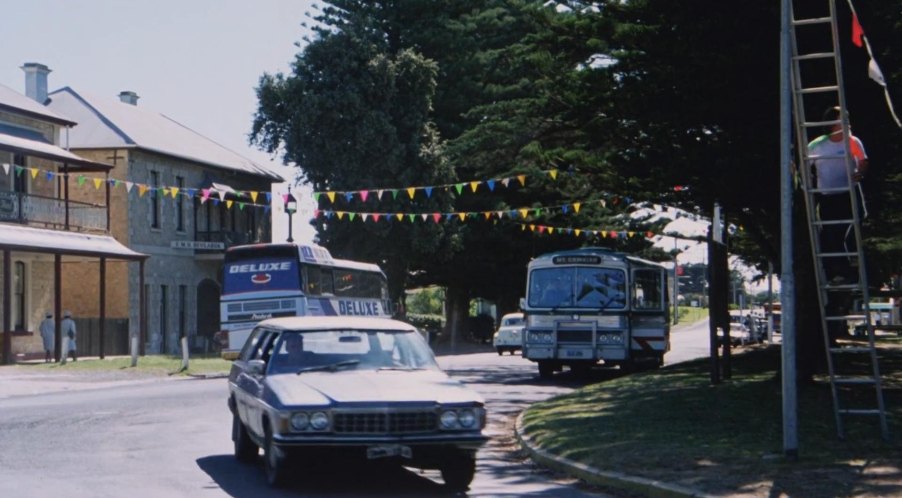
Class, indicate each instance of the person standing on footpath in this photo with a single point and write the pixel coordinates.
(48, 327)
(67, 328)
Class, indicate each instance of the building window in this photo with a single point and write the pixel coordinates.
(164, 318)
(19, 287)
(20, 182)
(155, 200)
(183, 296)
(180, 204)
(252, 225)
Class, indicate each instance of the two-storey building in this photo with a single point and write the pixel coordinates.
(176, 196)
(45, 229)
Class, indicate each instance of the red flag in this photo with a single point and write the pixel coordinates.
(857, 31)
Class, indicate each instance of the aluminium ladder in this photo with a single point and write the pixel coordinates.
(842, 384)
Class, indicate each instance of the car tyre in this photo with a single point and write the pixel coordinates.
(500, 350)
(458, 472)
(245, 449)
(274, 462)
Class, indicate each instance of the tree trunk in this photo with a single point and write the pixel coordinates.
(457, 307)
(810, 353)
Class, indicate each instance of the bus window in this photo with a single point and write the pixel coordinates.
(647, 290)
(346, 283)
(600, 288)
(319, 281)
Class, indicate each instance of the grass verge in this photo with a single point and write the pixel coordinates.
(147, 365)
(673, 425)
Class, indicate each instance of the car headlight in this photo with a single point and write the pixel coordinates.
(448, 419)
(300, 421)
(462, 419)
(466, 418)
(319, 421)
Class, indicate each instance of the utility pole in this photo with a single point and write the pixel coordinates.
(676, 286)
(787, 280)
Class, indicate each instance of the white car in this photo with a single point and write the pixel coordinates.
(509, 336)
(307, 388)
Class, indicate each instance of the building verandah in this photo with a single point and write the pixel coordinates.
(32, 273)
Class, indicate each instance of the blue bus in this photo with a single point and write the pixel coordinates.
(263, 281)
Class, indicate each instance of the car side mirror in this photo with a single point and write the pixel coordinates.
(256, 367)
(522, 303)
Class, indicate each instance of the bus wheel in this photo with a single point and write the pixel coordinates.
(581, 369)
(546, 369)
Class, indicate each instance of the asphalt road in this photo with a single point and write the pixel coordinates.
(172, 439)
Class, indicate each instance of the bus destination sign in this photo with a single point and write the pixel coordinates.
(585, 259)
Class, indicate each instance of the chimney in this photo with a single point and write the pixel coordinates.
(129, 97)
(36, 81)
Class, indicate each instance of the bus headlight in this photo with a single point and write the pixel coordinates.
(540, 337)
(610, 338)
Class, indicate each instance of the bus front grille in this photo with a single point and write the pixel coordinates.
(575, 336)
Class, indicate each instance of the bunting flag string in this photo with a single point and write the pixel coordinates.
(436, 217)
(219, 196)
(586, 232)
(161, 191)
(874, 72)
(458, 187)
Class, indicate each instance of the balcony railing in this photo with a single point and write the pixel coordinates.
(50, 212)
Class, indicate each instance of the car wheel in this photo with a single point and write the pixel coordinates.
(500, 350)
(546, 369)
(274, 462)
(458, 472)
(245, 449)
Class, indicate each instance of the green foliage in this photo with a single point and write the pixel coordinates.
(426, 301)
(431, 323)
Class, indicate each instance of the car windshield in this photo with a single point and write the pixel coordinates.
(512, 321)
(352, 349)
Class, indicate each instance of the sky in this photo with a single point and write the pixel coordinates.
(196, 61)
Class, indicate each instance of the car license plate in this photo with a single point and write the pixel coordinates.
(388, 450)
(575, 353)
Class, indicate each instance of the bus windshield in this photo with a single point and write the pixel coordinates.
(577, 287)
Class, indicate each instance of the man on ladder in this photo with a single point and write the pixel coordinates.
(828, 160)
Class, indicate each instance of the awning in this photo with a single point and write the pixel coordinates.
(44, 150)
(27, 239)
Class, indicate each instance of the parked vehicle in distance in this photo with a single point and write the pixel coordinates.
(307, 388)
(509, 336)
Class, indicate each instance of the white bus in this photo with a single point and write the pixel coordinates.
(593, 304)
(263, 281)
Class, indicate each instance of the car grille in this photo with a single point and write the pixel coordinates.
(384, 422)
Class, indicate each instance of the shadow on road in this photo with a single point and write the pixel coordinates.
(326, 478)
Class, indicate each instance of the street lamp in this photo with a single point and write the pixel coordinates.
(291, 207)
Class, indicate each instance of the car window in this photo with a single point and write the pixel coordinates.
(513, 321)
(365, 349)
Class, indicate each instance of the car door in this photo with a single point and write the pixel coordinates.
(249, 386)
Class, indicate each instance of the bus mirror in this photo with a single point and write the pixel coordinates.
(522, 303)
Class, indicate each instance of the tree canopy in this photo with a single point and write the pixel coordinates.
(654, 101)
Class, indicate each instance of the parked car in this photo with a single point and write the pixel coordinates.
(306, 388)
(509, 336)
